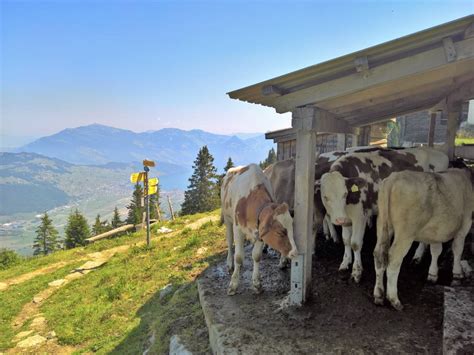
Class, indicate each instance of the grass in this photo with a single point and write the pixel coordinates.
(15, 297)
(117, 308)
(461, 141)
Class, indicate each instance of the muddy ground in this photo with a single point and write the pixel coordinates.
(340, 316)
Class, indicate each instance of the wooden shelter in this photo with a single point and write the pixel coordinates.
(432, 69)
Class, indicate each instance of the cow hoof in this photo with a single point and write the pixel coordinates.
(356, 278)
(397, 305)
(416, 261)
(230, 269)
(378, 301)
(457, 279)
(326, 236)
(432, 278)
(231, 291)
(257, 289)
(343, 267)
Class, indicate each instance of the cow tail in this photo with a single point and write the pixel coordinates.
(384, 225)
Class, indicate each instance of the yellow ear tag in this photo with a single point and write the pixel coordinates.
(354, 188)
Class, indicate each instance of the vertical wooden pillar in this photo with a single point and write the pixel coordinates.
(304, 121)
(341, 141)
(454, 111)
(431, 132)
(364, 136)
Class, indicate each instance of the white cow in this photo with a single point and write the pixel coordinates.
(426, 207)
(249, 212)
(349, 191)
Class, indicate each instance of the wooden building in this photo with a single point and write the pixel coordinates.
(428, 70)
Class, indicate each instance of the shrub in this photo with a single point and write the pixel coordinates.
(8, 258)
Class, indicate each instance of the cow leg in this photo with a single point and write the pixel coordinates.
(230, 246)
(357, 240)
(333, 232)
(435, 249)
(397, 252)
(284, 262)
(380, 263)
(419, 253)
(458, 246)
(256, 256)
(238, 261)
(325, 228)
(347, 259)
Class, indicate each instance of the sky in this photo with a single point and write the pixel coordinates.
(145, 65)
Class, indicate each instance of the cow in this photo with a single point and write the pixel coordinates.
(349, 191)
(249, 211)
(417, 206)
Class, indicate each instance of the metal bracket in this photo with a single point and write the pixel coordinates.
(296, 281)
(449, 49)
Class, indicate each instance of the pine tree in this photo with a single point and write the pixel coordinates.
(271, 158)
(202, 194)
(135, 208)
(116, 222)
(155, 209)
(230, 164)
(46, 240)
(99, 226)
(77, 230)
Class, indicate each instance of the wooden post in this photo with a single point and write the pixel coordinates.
(304, 120)
(341, 141)
(454, 112)
(171, 208)
(431, 132)
(364, 136)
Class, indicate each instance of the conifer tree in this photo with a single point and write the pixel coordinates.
(46, 240)
(135, 208)
(155, 209)
(271, 158)
(229, 164)
(99, 226)
(116, 222)
(77, 230)
(202, 194)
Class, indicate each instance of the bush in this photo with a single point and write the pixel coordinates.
(8, 258)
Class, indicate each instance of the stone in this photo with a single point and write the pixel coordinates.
(57, 283)
(3, 286)
(165, 291)
(38, 322)
(177, 347)
(201, 251)
(22, 335)
(51, 335)
(38, 299)
(164, 230)
(31, 341)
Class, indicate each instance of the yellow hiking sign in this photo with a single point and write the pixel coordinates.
(152, 181)
(137, 177)
(152, 189)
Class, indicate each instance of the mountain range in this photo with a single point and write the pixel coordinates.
(98, 144)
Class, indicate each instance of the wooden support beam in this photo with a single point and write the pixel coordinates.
(385, 78)
(304, 121)
(269, 90)
(364, 136)
(453, 124)
(322, 121)
(431, 131)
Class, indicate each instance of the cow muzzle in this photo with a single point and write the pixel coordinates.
(293, 253)
(345, 222)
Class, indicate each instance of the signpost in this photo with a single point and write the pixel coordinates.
(150, 187)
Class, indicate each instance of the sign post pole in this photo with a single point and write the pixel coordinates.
(147, 204)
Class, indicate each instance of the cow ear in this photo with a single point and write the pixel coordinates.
(356, 183)
(282, 208)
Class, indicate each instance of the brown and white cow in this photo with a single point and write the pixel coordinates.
(250, 212)
(427, 207)
(349, 191)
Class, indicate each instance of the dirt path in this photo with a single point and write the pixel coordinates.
(39, 338)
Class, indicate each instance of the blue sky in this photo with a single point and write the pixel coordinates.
(145, 65)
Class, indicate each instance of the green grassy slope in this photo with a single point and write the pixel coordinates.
(117, 308)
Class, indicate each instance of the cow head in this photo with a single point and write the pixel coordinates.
(337, 192)
(276, 229)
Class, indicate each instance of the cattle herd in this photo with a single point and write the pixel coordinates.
(412, 191)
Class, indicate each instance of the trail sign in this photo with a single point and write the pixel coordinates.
(152, 181)
(149, 163)
(152, 189)
(137, 177)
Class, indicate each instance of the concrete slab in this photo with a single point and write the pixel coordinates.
(458, 324)
(339, 318)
